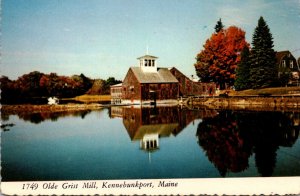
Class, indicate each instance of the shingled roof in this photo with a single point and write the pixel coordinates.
(280, 55)
(163, 75)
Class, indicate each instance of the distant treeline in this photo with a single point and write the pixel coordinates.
(37, 84)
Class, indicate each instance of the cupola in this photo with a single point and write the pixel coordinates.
(148, 63)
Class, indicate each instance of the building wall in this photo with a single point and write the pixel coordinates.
(131, 87)
(288, 64)
(185, 84)
(289, 61)
(134, 92)
(188, 87)
(116, 94)
(162, 91)
(205, 88)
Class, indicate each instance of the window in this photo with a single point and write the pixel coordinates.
(283, 63)
(131, 89)
(291, 64)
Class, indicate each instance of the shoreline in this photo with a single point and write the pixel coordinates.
(49, 108)
(247, 103)
(217, 103)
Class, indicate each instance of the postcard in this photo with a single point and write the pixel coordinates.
(137, 97)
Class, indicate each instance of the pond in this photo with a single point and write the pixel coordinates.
(149, 143)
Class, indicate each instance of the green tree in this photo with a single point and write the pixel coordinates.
(263, 71)
(243, 71)
(112, 81)
(219, 26)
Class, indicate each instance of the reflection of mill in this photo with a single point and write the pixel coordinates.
(150, 124)
(150, 143)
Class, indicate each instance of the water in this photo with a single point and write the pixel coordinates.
(135, 143)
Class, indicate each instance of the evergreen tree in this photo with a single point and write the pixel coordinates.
(263, 71)
(243, 71)
(219, 26)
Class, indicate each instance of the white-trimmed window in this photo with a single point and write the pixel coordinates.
(291, 64)
(283, 64)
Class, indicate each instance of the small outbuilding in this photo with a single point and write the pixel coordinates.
(188, 87)
(116, 94)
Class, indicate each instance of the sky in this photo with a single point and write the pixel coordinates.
(103, 38)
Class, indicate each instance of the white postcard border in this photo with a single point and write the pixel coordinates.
(196, 186)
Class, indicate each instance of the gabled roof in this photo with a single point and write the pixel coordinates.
(117, 85)
(280, 55)
(147, 57)
(163, 75)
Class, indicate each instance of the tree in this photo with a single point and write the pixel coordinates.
(284, 75)
(8, 90)
(98, 88)
(263, 71)
(29, 84)
(218, 61)
(243, 71)
(112, 81)
(202, 67)
(219, 26)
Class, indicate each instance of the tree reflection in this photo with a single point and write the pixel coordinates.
(5, 127)
(39, 117)
(230, 138)
(223, 142)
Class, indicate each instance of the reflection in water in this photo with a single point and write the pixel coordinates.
(5, 127)
(231, 137)
(39, 117)
(229, 141)
(148, 124)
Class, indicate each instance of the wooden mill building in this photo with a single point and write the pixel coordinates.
(148, 83)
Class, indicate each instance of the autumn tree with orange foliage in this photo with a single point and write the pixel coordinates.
(218, 61)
